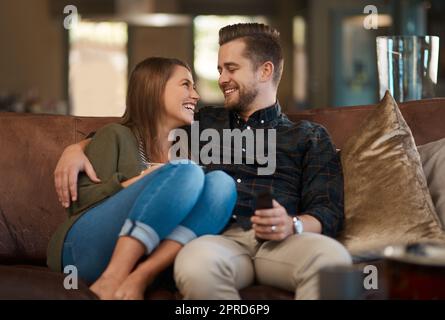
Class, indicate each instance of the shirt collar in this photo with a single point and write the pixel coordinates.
(262, 116)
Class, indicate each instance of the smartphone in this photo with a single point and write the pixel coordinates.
(264, 200)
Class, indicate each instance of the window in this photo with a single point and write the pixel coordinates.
(98, 62)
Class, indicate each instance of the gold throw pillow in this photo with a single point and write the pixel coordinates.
(387, 201)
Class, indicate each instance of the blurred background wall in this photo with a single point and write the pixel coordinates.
(329, 55)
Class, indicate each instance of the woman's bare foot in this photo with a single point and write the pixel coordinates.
(133, 288)
(106, 286)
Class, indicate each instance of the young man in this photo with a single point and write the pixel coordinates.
(284, 246)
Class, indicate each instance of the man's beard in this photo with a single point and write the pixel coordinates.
(245, 99)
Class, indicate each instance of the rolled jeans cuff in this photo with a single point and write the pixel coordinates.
(182, 234)
(142, 232)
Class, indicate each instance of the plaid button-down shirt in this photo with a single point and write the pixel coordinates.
(308, 177)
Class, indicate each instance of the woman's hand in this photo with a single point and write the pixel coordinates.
(72, 161)
(143, 174)
(152, 168)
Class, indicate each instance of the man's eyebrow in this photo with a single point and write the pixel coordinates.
(229, 64)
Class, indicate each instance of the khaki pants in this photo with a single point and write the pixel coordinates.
(216, 267)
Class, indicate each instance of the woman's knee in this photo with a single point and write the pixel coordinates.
(220, 192)
(220, 184)
(189, 173)
(169, 196)
(182, 176)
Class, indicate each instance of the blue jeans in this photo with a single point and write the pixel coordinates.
(177, 201)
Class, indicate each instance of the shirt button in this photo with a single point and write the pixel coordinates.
(244, 150)
(248, 127)
(262, 121)
(234, 216)
(238, 180)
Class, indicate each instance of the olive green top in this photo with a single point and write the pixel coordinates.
(114, 154)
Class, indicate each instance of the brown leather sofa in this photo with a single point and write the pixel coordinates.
(29, 211)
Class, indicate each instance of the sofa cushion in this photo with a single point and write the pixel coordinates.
(433, 162)
(27, 282)
(386, 196)
(29, 210)
(30, 146)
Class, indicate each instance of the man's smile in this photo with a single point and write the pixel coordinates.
(229, 91)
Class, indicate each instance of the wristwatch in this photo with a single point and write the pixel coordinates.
(298, 225)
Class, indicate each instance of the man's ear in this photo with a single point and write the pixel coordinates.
(266, 71)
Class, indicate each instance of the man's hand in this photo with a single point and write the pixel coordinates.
(272, 224)
(72, 161)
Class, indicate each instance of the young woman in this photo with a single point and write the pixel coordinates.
(141, 209)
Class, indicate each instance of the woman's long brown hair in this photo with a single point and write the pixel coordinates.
(145, 101)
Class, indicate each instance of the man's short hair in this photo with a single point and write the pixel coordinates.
(262, 44)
